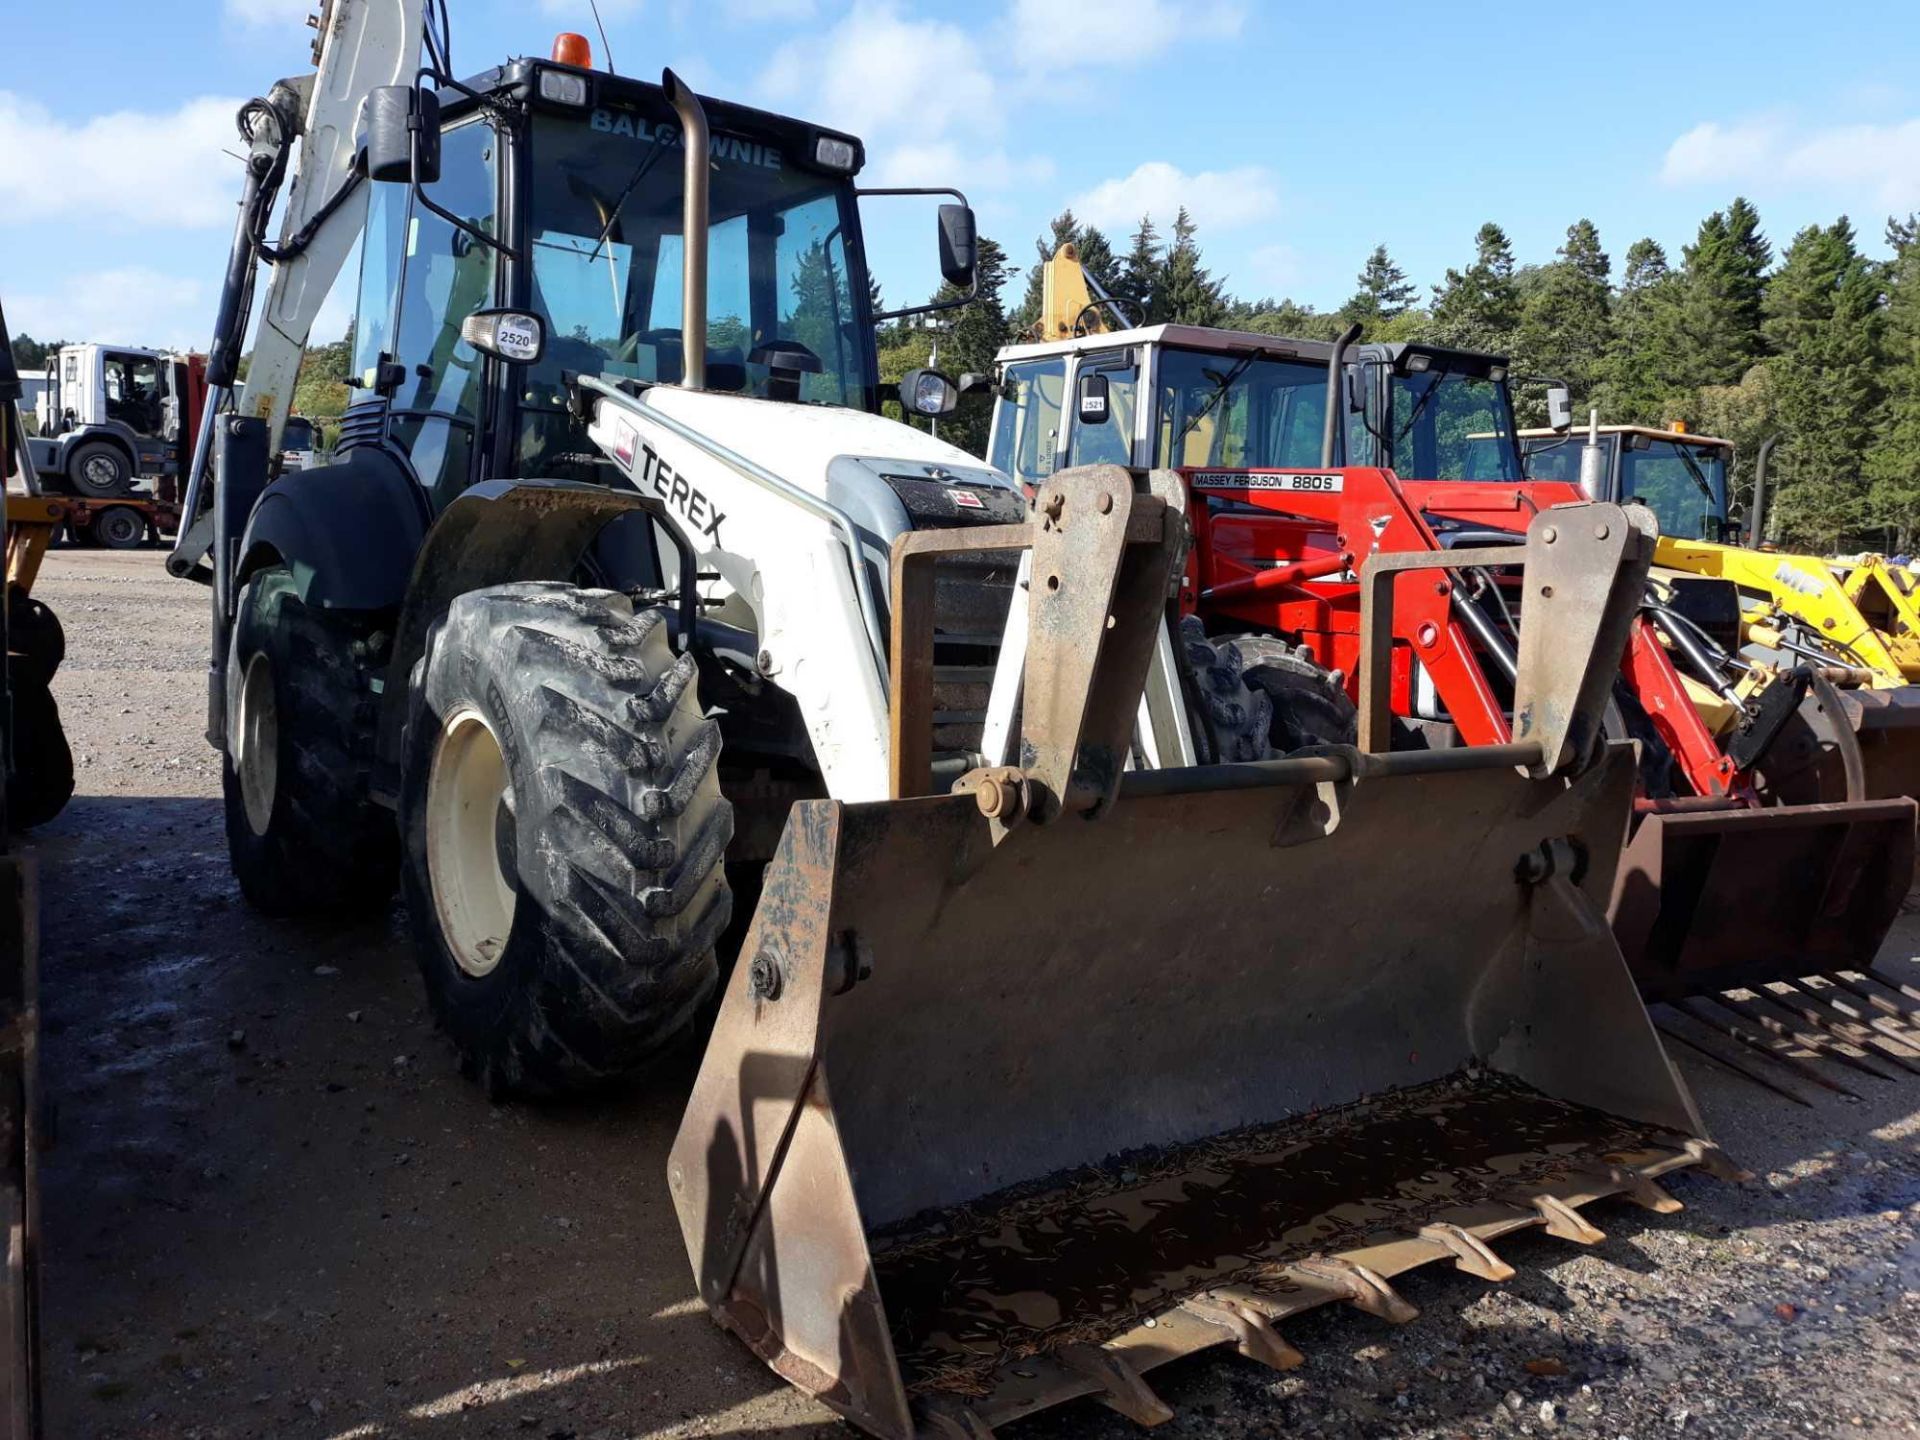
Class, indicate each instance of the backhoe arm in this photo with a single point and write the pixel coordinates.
(362, 44)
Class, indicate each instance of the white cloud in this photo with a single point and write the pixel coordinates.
(1049, 35)
(876, 73)
(1880, 159)
(965, 167)
(134, 306)
(271, 12)
(159, 170)
(1217, 199)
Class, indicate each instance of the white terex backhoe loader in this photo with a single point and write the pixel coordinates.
(1018, 1089)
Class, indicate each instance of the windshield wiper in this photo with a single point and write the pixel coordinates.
(1220, 390)
(640, 172)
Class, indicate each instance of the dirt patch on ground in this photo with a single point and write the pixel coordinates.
(274, 1209)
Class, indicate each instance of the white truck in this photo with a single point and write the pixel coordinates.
(111, 416)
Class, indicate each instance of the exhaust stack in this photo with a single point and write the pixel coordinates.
(1336, 368)
(693, 225)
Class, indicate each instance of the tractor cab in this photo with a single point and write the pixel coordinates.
(1681, 477)
(557, 199)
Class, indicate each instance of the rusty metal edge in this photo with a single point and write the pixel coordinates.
(1038, 1383)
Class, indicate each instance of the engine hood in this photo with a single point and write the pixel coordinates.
(799, 443)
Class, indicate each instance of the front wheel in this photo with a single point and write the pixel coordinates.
(563, 833)
(100, 470)
(303, 833)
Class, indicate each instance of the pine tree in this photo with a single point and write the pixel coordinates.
(1139, 274)
(1566, 320)
(1822, 314)
(1725, 281)
(1479, 308)
(1384, 292)
(1893, 462)
(1641, 375)
(1186, 294)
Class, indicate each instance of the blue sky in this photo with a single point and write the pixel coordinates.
(1299, 134)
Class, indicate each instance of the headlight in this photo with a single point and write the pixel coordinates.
(562, 88)
(834, 153)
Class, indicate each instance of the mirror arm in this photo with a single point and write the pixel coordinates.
(506, 252)
(932, 306)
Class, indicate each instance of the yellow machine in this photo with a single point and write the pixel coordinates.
(1857, 614)
(1854, 625)
(1072, 302)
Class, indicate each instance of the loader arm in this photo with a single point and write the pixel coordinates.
(1355, 513)
(362, 44)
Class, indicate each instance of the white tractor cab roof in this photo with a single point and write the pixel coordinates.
(1427, 411)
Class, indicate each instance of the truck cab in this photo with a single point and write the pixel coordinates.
(111, 416)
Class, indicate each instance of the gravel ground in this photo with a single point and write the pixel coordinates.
(273, 1209)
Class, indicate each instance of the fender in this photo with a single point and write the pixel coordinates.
(349, 532)
(497, 532)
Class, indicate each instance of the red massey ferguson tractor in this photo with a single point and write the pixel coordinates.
(1722, 885)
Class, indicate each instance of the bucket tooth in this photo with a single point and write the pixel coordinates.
(1470, 1253)
(1707, 1156)
(1563, 1222)
(1121, 1386)
(1832, 1041)
(1883, 994)
(1664, 1022)
(1779, 1051)
(1253, 1336)
(1360, 1287)
(1641, 1190)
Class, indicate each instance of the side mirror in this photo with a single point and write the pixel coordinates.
(928, 394)
(1093, 408)
(959, 245)
(1559, 407)
(510, 335)
(391, 118)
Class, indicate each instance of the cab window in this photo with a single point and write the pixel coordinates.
(1027, 433)
(1110, 443)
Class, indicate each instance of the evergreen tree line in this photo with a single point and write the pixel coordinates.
(1820, 345)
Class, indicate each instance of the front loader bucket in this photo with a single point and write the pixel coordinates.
(1715, 898)
(984, 1128)
(1848, 744)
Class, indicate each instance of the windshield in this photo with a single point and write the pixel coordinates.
(1557, 457)
(1684, 485)
(604, 229)
(1446, 425)
(1239, 411)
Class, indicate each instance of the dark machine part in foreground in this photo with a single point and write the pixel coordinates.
(19, 973)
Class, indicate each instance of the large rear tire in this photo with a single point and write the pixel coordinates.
(564, 834)
(1267, 698)
(303, 832)
(1308, 705)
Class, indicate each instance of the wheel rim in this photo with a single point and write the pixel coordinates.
(258, 763)
(101, 470)
(467, 791)
(121, 528)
